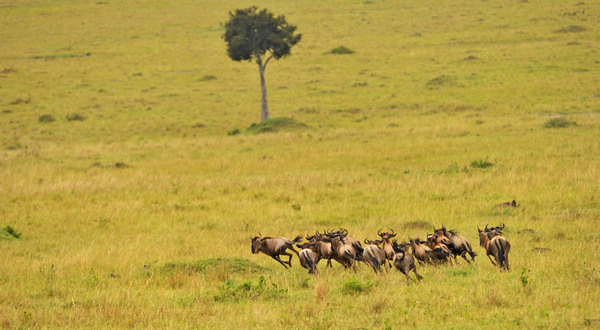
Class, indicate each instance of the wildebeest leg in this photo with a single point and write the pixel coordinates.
(276, 257)
(463, 255)
(329, 263)
(493, 262)
(292, 248)
(289, 262)
(419, 277)
(407, 273)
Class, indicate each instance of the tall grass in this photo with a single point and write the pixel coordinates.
(140, 215)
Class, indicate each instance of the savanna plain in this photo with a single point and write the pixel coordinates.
(129, 186)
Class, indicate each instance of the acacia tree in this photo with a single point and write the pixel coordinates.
(257, 34)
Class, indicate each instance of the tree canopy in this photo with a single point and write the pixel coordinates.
(252, 33)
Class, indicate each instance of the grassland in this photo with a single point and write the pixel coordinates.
(135, 205)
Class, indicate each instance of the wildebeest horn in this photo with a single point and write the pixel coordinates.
(379, 231)
(486, 227)
(367, 241)
(393, 232)
(502, 227)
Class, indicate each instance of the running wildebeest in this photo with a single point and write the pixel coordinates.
(404, 261)
(495, 245)
(274, 247)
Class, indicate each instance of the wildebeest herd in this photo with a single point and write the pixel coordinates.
(442, 246)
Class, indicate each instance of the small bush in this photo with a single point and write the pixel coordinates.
(559, 122)
(356, 287)
(46, 118)
(275, 125)
(342, 50)
(9, 232)
(230, 291)
(524, 278)
(75, 117)
(234, 132)
(481, 164)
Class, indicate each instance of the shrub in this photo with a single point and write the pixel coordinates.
(230, 291)
(9, 232)
(481, 164)
(75, 117)
(341, 50)
(234, 132)
(275, 125)
(46, 118)
(356, 286)
(559, 122)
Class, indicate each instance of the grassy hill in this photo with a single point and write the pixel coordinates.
(135, 205)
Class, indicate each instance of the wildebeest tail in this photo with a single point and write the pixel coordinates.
(350, 254)
(297, 239)
(311, 264)
(470, 250)
(359, 249)
(373, 258)
(500, 249)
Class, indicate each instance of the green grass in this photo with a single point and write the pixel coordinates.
(341, 50)
(141, 214)
(275, 125)
(559, 122)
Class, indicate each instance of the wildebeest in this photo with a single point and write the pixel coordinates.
(404, 261)
(358, 249)
(458, 245)
(421, 251)
(494, 231)
(346, 254)
(322, 248)
(440, 251)
(387, 245)
(495, 245)
(274, 247)
(308, 257)
(373, 255)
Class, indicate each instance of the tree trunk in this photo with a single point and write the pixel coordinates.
(264, 115)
